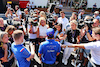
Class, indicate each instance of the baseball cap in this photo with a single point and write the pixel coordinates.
(50, 32)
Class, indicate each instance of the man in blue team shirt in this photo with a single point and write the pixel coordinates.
(22, 55)
(49, 49)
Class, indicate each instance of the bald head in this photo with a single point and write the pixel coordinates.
(96, 23)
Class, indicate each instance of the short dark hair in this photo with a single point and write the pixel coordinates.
(17, 34)
(96, 30)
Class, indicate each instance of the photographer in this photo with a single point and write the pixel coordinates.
(32, 33)
(10, 13)
(96, 23)
(89, 32)
(51, 22)
(93, 46)
(80, 15)
(55, 17)
(86, 36)
(18, 12)
(25, 16)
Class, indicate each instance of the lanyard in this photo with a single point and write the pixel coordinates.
(73, 33)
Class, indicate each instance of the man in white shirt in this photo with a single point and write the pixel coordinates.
(18, 12)
(10, 14)
(93, 46)
(63, 20)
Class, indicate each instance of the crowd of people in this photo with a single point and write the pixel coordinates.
(48, 36)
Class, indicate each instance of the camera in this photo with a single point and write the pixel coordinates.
(89, 23)
(51, 22)
(32, 21)
(17, 23)
(11, 9)
(81, 24)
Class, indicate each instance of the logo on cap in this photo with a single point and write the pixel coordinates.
(50, 32)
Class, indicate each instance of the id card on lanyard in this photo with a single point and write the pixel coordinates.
(73, 35)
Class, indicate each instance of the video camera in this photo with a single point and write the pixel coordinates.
(17, 23)
(89, 23)
(81, 24)
(33, 22)
(51, 21)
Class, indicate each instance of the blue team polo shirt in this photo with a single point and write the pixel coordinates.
(21, 53)
(49, 50)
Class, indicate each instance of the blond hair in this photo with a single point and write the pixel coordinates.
(74, 21)
(2, 35)
(42, 18)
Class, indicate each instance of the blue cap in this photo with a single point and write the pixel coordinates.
(50, 32)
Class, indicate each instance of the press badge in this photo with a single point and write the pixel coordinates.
(72, 39)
